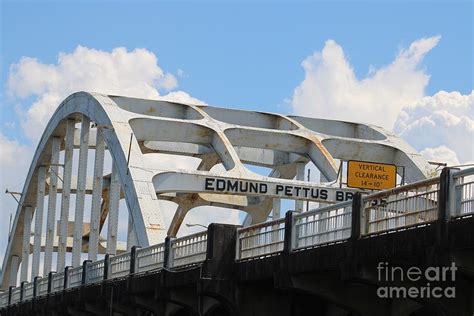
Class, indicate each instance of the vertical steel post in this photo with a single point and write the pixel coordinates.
(35, 287)
(289, 243)
(22, 289)
(65, 195)
(66, 278)
(85, 272)
(106, 266)
(356, 216)
(38, 221)
(299, 204)
(131, 235)
(133, 259)
(114, 199)
(168, 255)
(10, 289)
(25, 253)
(50, 281)
(52, 197)
(81, 192)
(96, 196)
(15, 263)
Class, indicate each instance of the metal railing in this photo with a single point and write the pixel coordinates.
(28, 289)
(150, 258)
(463, 193)
(57, 282)
(120, 265)
(324, 225)
(260, 240)
(188, 250)
(74, 277)
(42, 286)
(95, 272)
(16, 293)
(406, 206)
(4, 299)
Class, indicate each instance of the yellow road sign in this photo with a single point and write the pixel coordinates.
(369, 175)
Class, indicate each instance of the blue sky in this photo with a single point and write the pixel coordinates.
(244, 55)
(380, 62)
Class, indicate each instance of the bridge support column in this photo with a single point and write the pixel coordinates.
(14, 265)
(65, 195)
(96, 196)
(26, 244)
(131, 234)
(52, 197)
(80, 192)
(38, 221)
(114, 202)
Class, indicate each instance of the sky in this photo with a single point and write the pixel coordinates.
(406, 65)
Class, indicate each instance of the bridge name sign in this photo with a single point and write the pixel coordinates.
(298, 192)
(369, 175)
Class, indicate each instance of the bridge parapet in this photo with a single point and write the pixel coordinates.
(462, 193)
(423, 201)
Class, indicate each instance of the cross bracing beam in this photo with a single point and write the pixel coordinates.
(135, 132)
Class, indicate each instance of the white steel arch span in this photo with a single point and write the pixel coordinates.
(135, 130)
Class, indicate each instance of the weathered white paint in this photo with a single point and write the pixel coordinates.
(65, 195)
(52, 201)
(114, 199)
(96, 197)
(81, 192)
(25, 256)
(214, 135)
(38, 221)
(14, 270)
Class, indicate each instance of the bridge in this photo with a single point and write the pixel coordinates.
(325, 256)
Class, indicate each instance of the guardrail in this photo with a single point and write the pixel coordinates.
(421, 203)
(188, 250)
(120, 265)
(28, 289)
(321, 226)
(462, 192)
(57, 282)
(95, 271)
(260, 240)
(42, 286)
(4, 299)
(74, 277)
(150, 258)
(16, 295)
(410, 205)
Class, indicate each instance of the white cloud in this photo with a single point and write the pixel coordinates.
(120, 72)
(440, 126)
(444, 120)
(14, 162)
(441, 154)
(132, 73)
(330, 88)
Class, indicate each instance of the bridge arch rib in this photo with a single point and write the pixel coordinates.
(133, 131)
(115, 131)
